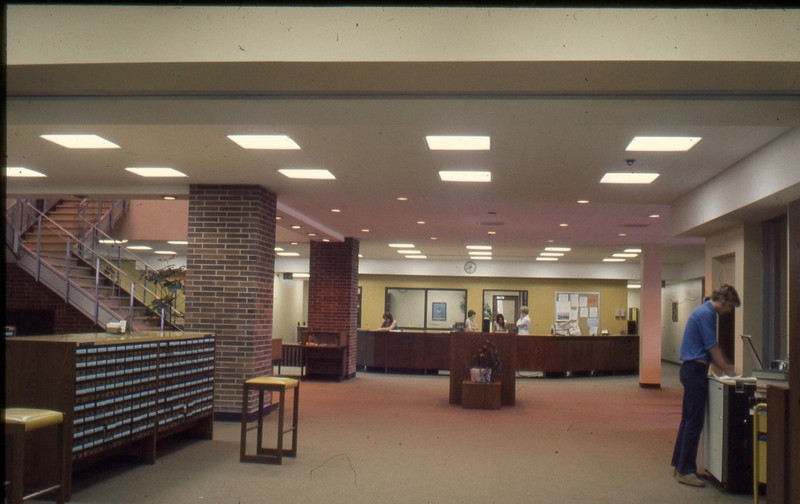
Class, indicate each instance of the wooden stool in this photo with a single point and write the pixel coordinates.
(269, 384)
(18, 422)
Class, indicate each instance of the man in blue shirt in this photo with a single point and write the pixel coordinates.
(698, 350)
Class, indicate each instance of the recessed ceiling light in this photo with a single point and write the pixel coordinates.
(622, 234)
(628, 178)
(563, 224)
(278, 249)
(654, 216)
(312, 234)
(491, 233)
(178, 242)
(165, 252)
(109, 242)
(633, 250)
(434, 238)
(416, 257)
(81, 141)
(479, 247)
(272, 142)
(402, 198)
(583, 202)
(401, 245)
(420, 222)
(360, 256)
(557, 249)
(138, 247)
(455, 142)
(326, 240)
(551, 241)
(170, 198)
(18, 171)
(662, 143)
(288, 254)
(465, 176)
(624, 255)
(551, 254)
(634, 286)
(295, 226)
(335, 210)
(547, 258)
(301, 275)
(613, 259)
(294, 243)
(278, 217)
(365, 230)
(408, 251)
(480, 253)
(155, 172)
(307, 173)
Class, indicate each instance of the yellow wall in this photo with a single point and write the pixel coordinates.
(541, 296)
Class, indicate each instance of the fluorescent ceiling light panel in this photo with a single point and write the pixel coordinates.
(18, 171)
(624, 255)
(547, 258)
(479, 247)
(634, 286)
(480, 253)
(465, 176)
(416, 257)
(613, 259)
(552, 254)
(408, 252)
(557, 249)
(289, 254)
(265, 142)
(662, 143)
(301, 275)
(156, 172)
(108, 241)
(455, 142)
(628, 178)
(178, 242)
(633, 250)
(81, 141)
(139, 247)
(307, 173)
(165, 252)
(401, 245)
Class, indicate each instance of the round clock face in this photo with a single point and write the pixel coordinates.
(470, 267)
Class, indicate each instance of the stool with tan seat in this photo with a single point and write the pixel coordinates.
(269, 384)
(18, 423)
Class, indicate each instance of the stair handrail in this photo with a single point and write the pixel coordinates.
(78, 247)
(21, 219)
(107, 214)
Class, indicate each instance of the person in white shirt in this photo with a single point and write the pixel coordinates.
(524, 322)
(470, 324)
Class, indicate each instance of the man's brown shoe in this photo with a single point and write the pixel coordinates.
(689, 479)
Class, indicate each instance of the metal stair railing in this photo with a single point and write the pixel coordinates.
(94, 235)
(61, 282)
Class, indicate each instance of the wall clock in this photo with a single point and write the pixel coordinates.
(470, 267)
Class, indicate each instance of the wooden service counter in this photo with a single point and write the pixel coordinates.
(556, 355)
(118, 392)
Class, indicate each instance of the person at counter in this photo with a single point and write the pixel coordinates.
(698, 349)
(499, 323)
(471, 325)
(389, 323)
(524, 322)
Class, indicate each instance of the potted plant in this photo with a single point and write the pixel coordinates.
(486, 362)
(169, 282)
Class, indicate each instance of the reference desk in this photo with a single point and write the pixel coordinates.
(430, 352)
(118, 392)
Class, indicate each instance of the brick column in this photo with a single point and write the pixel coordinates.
(333, 292)
(230, 272)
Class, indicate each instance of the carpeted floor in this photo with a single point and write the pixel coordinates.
(395, 439)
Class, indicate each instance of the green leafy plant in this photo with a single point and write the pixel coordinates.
(486, 356)
(170, 282)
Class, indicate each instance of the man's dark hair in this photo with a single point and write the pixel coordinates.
(726, 293)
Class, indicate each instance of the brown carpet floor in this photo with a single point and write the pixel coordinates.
(395, 439)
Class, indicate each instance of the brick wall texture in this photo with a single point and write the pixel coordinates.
(23, 292)
(333, 292)
(229, 283)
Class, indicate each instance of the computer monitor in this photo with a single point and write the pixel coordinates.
(750, 350)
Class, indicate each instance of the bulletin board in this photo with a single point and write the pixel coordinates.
(577, 313)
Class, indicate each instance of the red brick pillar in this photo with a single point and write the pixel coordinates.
(333, 292)
(230, 272)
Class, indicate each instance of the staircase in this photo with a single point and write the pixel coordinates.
(59, 249)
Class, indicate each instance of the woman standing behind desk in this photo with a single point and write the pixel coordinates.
(389, 323)
(499, 323)
(524, 322)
